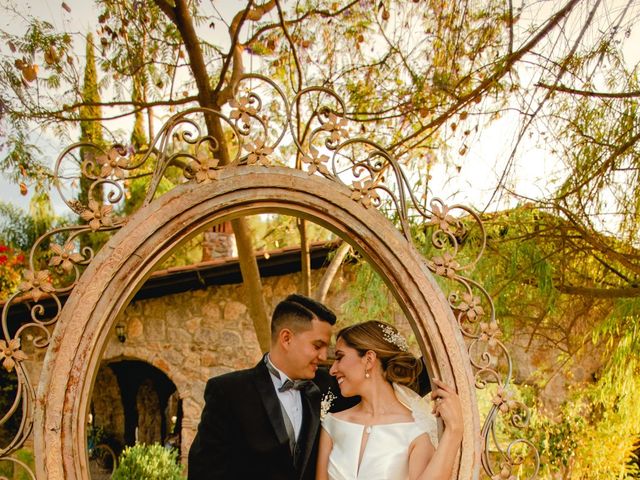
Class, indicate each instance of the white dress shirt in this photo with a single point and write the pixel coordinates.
(290, 400)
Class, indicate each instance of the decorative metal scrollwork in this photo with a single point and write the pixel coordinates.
(310, 132)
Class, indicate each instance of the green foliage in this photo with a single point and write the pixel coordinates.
(369, 297)
(25, 456)
(16, 227)
(12, 262)
(187, 253)
(529, 261)
(141, 50)
(424, 75)
(148, 462)
(18, 232)
(21, 229)
(90, 128)
(138, 135)
(595, 433)
(530, 265)
(271, 232)
(20, 158)
(6, 469)
(96, 436)
(8, 392)
(14, 471)
(599, 140)
(558, 441)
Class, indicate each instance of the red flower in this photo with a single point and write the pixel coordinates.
(3, 259)
(19, 259)
(4, 248)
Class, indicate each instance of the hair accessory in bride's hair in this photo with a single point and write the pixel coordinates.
(393, 337)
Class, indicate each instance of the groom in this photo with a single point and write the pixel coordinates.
(262, 423)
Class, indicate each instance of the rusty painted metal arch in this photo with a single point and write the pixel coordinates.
(122, 266)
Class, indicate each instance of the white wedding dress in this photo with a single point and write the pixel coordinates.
(386, 452)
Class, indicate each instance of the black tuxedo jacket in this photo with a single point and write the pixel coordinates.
(242, 433)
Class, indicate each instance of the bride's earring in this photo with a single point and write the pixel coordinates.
(368, 363)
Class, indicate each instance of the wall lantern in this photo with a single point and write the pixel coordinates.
(120, 333)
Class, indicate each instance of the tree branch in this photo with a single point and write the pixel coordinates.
(330, 273)
(589, 93)
(283, 24)
(126, 103)
(235, 51)
(234, 30)
(630, 292)
(509, 61)
(252, 283)
(315, 12)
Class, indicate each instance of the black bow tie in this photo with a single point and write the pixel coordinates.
(294, 384)
(288, 384)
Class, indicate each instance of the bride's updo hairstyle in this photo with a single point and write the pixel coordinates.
(398, 364)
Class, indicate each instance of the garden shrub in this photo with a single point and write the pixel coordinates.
(148, 462)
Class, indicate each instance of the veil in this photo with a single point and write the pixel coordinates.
(420, 409)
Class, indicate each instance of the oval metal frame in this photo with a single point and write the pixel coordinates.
(122, 266)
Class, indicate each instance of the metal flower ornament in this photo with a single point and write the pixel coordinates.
(10, 353)
(264, 127)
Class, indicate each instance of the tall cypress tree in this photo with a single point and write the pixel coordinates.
(90, 130)
(136, 188)
(138, 136)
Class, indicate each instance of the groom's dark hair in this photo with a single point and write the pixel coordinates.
(297, 311)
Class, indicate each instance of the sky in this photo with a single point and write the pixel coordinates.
(83, 19)
(473, 184)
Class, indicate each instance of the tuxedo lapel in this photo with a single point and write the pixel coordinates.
(311, 406)
(270, 401)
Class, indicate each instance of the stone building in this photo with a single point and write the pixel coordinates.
(185, 325)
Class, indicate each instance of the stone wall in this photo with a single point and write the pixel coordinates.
(149, 414)
(108, 402)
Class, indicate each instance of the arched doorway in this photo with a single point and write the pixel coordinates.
(135, 402)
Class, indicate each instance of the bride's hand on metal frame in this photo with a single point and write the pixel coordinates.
(446, 405)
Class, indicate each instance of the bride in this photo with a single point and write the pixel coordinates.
(391, 434)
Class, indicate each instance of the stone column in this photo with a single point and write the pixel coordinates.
(188, 434)
(191, 411)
